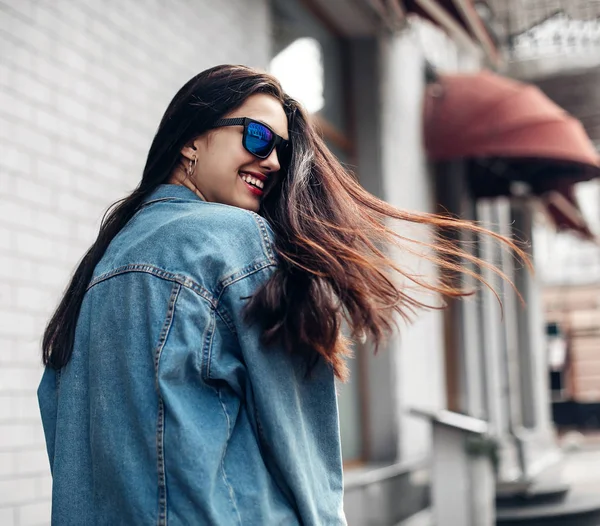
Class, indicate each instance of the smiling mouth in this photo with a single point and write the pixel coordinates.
(253, 181)
(254, 184)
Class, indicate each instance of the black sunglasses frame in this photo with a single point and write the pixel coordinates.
(279, 142)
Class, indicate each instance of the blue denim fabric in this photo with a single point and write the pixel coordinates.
(170, 411)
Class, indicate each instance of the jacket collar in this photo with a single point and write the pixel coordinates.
(171, 191)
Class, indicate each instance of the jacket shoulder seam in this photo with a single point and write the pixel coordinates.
(181, 279)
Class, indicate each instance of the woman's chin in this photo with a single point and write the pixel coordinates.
(250, 202)
(252, 205)
(253, 208)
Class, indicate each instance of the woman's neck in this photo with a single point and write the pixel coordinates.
(178, 178)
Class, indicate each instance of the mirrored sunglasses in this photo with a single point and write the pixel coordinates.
(259, 139)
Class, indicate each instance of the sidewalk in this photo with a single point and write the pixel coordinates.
(581, 470)
(423, 518)
(582, 467)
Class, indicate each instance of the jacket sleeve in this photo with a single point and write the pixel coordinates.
(294, 416)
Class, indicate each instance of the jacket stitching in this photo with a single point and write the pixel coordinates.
(58, 379)
(226, 318)
(248, 270)
(184, 281)
(223, 473)
(160, 425)
(223, 313)
(266, 238)
(162, 484)
(209, 339)
(207, 347)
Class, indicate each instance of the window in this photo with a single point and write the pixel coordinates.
(299, 68)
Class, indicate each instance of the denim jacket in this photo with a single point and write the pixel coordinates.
(170, 411)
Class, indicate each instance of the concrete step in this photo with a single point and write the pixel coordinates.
(579, 507)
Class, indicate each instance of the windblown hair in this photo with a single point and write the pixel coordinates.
(331, 235)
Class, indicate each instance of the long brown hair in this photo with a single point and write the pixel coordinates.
(334, 239)
(331, 235)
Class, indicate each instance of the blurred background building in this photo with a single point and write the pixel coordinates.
(84, 84)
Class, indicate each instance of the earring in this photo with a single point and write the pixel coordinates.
(191, 167)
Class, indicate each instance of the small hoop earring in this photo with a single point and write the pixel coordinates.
(191, 167)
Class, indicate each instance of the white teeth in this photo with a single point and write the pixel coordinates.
(253, 181)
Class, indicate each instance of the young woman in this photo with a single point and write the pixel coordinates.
(190, 364)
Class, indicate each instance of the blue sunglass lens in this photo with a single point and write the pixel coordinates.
(259, 139)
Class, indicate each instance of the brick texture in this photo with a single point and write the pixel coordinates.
(82, 88)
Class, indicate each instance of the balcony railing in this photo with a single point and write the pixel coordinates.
(557, 35)
(531, 29)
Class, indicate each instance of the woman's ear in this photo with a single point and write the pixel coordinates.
(190, 150)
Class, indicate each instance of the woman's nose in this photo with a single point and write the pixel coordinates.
(271, 163)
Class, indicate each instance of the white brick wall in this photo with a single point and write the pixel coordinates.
(82, 88)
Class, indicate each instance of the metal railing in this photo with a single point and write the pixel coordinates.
(531, 29)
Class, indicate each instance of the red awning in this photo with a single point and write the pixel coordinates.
(486, 115)
(563, 209)
(510, 131)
